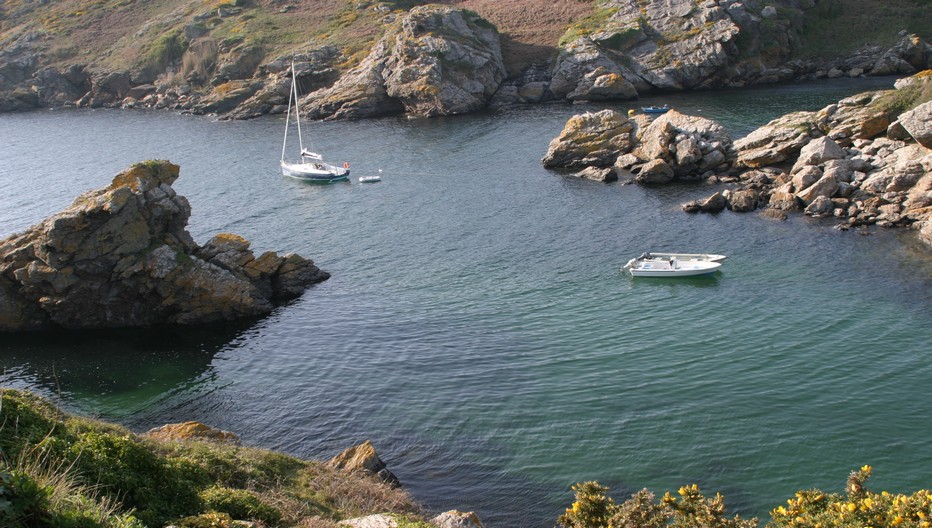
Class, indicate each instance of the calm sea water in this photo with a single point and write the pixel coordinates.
(477, 327)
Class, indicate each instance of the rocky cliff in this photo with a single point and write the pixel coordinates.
(866, 160)
(434, 61)
(642, 47)
(121, 256)
(364, 59)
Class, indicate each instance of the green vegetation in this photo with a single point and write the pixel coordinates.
(858, 507)
(596, 21)
(836, 27)
(895, 102)
(63, 471)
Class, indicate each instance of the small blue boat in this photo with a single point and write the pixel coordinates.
(655, 109)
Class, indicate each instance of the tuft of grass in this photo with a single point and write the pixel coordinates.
(588, 25)
(76, 472)
(895, 102)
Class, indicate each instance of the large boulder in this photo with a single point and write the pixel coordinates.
(434, 61)
(457, 519)
(591, 139)
(777, 141)
(690, 145)
(192, 431)
(363, 458)
(121, 257)
(817, 152)
(918, 124)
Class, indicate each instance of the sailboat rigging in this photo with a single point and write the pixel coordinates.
(312, 166)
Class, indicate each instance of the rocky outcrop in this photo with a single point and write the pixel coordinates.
(364, 458)
(434, 61)
(846, 161)
(192, 431)
(121, 257)
(591, 140)
(673, 146)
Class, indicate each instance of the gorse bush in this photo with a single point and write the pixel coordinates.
(858, 507)
(593, 509)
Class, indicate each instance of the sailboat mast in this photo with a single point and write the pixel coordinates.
(297, 110)
(288, 116)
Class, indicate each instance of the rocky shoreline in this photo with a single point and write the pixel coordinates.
(440, 60)
(866, 160)
(121, 257)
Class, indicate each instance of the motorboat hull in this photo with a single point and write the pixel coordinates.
(662, 267)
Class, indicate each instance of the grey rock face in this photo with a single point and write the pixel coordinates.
(120, 256)
(435, 61)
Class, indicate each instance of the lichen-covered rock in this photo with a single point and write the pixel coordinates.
(918, 123)
(818, 151)
(434, 61)
(364, 458)
(121, 257)
(776, 141)
(598, 174)
(690, 145)
(377, 520)
(742, 201)
(655, 172)
(192, 431)
(457, 519)
(591, 139)
(821, 206)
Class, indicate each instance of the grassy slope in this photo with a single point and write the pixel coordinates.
(127, 33)
(70, 472)
(841, 26)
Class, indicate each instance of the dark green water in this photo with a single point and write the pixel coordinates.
(477, 327)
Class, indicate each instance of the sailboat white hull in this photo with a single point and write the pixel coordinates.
(316, 172)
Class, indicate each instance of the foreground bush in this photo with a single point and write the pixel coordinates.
(858, 507)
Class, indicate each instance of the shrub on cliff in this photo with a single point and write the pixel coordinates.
(858, 507)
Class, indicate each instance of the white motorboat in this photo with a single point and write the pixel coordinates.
(653, 266)
(370, 179)
(710, 257)
(311, 166)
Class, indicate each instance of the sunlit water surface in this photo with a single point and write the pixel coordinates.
(477, 327)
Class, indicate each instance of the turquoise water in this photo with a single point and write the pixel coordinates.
(477, 327)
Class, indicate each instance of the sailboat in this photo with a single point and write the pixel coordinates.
(312, 167)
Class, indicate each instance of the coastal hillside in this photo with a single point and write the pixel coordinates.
(231, 56)
(68, 471)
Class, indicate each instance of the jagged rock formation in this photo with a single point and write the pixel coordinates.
(685, 44)
(120, 257)
(861, 160)
(434, 61)
(673, 146)
(855, 160)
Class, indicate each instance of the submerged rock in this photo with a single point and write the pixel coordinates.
(121, 257)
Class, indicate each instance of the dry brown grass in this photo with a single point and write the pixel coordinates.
(530, 29)
(358, 494)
